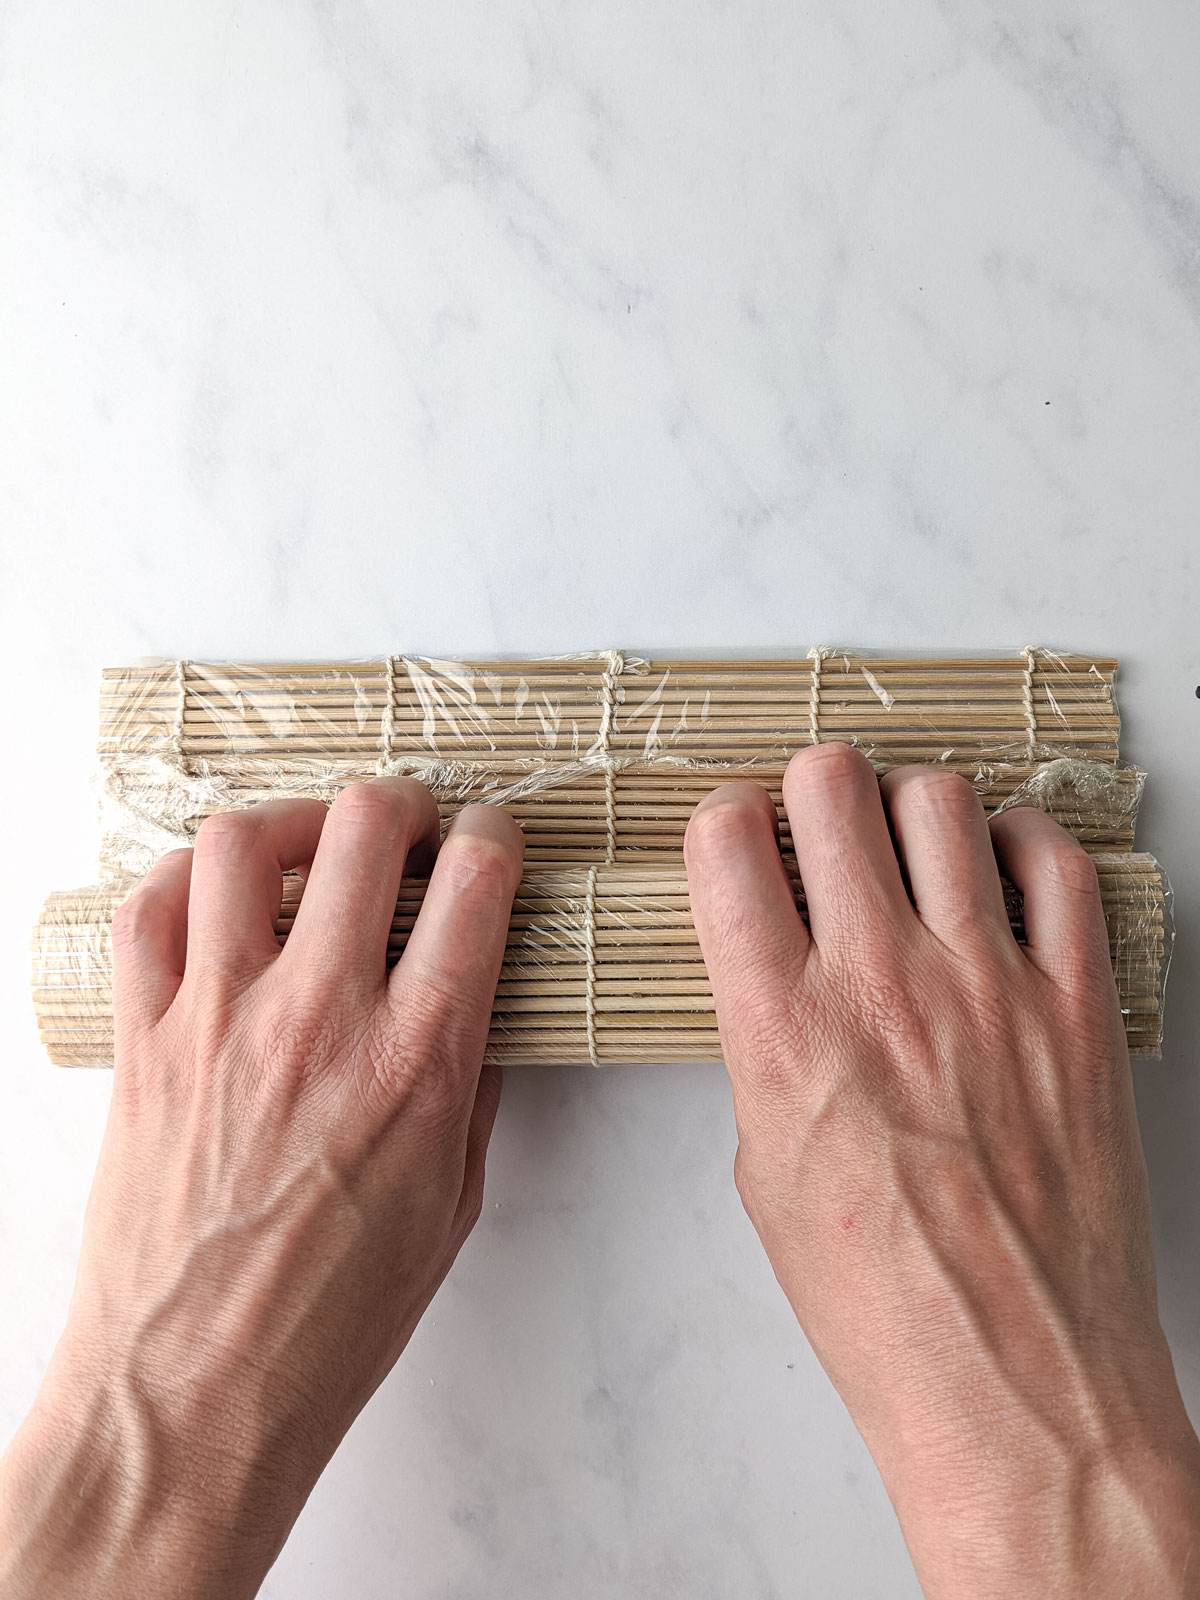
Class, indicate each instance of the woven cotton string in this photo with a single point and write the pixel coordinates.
(181, 706)
(816, 655)
(387, 721)
(1028, 655)
(614, 666)
(589, 936)
(608, 709)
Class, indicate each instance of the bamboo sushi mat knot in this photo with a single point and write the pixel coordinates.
(614, 667)
(387, 726)
(589, 947)
(1029, 655)
(816, 655)
(181, 667)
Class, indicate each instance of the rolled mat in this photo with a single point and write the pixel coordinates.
(601, 964)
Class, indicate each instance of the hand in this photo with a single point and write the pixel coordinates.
(939, 1150)
(294, 1155)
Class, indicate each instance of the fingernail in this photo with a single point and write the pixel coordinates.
(489, 822)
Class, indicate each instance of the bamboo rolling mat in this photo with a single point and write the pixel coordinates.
(601, 964)
(598, 756)
(638, 811)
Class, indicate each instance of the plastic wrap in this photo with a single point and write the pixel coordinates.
(602, 963)
(599, 756)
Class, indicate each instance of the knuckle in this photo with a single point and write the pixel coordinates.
(1068, 865)
(371, 807)
(728, 824)
(1087, 984)
(433, 1020)
(430, 1028)
(938, 795)
(170, 863)
(164, 878)
(752, 956)
(134, 916)
(421, 1067)
(993, 994)
(764, 1040)
(405, 786)
(832, 763)
(1028, 826)
(226, 832)
(478, 867)
(440, 1092)
(295, 1037)
(1013, 820)
(884, 1002)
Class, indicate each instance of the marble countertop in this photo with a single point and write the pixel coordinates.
(352, 328)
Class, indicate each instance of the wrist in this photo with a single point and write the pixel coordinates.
(106, 1491)
(1057, 1510)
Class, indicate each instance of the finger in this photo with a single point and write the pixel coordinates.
(237, 883)
(149, 936)
(417, 864)
(847, 861)
(1066, 935)
(440, 992)
(941, 832)
(343, 921)
(751, 935)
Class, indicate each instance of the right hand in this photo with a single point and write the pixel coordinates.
(939, 1150)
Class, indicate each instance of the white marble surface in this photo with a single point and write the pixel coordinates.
(352, 328)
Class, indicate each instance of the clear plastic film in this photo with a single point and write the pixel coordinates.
(602, 963)
(598, 756)
(601, 758)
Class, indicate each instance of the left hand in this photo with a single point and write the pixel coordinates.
(294, 1156)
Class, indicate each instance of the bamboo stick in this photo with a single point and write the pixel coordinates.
(597, 756)
(480, 703)
(630, 976)
(463, 676)
(646, 811)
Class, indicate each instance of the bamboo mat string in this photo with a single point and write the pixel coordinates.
(599, 754)
(1029, 655)
(612, 671)
(387, 723)
(628, 928)
(181, 667)
(816, 655)
(589, 940)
